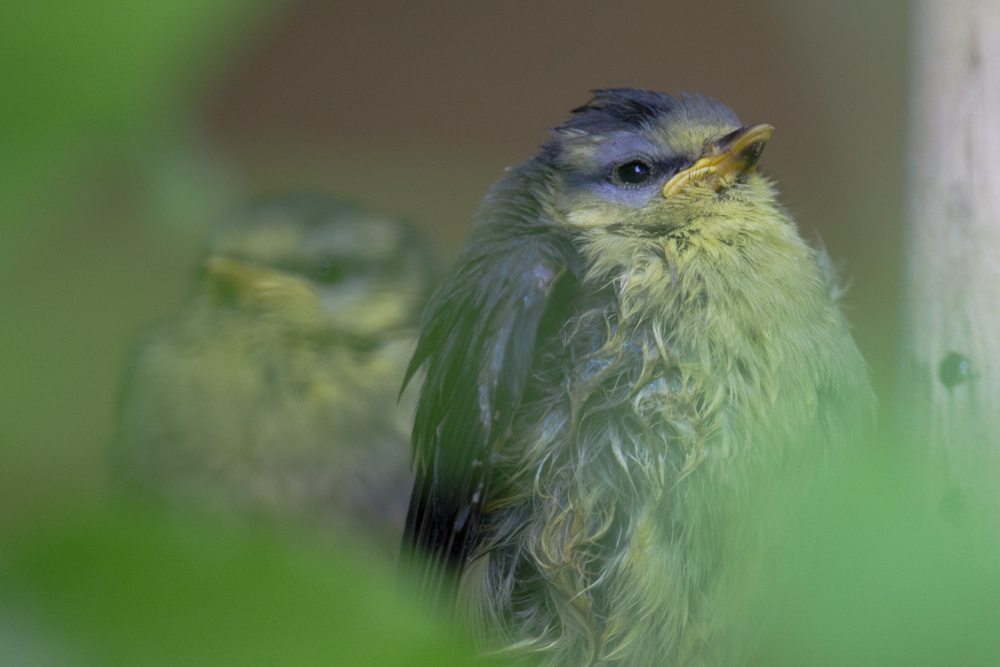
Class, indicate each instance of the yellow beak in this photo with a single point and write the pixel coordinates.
(235, 277)
(735, 153)
(258, 286)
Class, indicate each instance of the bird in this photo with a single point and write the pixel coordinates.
(272, 395)
(635, 372)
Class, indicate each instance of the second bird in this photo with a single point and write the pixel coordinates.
(274, 393)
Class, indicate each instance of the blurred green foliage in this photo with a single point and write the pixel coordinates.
(137, 588)
(887, 580)
(890, 579)
(80, 77)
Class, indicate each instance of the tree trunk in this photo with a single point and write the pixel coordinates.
(950, 372)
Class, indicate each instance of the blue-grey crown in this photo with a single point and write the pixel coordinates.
(618, 109)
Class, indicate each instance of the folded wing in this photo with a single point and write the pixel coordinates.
(478, 341)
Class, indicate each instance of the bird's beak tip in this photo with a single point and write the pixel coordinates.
(736, 152)
(230, 277)
(745, 144)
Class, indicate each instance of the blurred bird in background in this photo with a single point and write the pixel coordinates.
(634, 372)
(274, 393)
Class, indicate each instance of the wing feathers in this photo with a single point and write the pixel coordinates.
(478, 342)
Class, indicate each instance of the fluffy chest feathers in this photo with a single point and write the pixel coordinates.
(741, 303)
(686, 402)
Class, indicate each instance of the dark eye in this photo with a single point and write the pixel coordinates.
(321, 270)
(327, 271)
(633, 173)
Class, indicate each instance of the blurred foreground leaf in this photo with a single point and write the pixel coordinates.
(138, 589)
(84, 77)
(891, 580)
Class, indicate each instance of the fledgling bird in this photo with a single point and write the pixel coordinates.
(274, 393)
(634, 370)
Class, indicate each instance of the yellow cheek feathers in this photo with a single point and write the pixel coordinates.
(735, 153)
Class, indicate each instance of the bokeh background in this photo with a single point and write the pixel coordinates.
(128, 128)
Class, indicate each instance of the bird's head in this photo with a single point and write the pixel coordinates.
(634, 165)
(315, 264)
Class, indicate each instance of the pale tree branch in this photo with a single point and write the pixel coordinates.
(950, 371)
